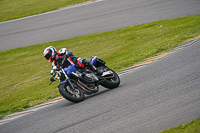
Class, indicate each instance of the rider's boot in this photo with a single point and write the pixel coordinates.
(98, 71)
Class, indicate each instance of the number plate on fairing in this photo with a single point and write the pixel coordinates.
(107, 73)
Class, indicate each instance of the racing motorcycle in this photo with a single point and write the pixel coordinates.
(76, 82)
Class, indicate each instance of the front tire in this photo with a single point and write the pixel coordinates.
(74, 96)
(112, 82)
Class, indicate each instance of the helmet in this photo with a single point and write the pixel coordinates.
(49, 53)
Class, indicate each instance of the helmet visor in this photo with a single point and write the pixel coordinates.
(48, 56)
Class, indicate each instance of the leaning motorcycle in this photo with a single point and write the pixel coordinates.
(76, 82)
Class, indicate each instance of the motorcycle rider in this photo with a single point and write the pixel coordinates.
(56, 58)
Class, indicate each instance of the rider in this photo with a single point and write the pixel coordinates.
(56, 58)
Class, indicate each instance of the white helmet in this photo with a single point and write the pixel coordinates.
(49, 53)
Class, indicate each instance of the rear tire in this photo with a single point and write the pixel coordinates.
(73, 96)
(113, 82)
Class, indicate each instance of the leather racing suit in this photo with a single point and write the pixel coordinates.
(80, 62)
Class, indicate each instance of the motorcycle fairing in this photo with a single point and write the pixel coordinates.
(94, 61)
(72, 68)
(69, 69)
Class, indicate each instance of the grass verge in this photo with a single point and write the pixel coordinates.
(13, 9)
(25, 72)
(191, 127)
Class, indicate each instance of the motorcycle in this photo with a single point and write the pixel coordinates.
(76, 82)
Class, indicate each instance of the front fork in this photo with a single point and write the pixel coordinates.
(67, 79)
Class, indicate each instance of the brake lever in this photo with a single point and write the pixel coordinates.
(51, 83)
(52, 80)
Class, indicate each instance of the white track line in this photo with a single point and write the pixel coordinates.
(62, 9)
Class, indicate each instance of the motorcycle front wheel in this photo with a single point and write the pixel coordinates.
(68, 93)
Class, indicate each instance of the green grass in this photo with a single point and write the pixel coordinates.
(12, 9)
(25, 72)
(191, 127)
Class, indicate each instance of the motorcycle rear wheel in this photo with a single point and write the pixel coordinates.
(74, 96)
(112, 82)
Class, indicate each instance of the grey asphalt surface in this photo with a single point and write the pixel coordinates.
(103, 15)
(150, 99)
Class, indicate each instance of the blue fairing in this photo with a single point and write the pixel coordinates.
(69, 70)
(94, 61)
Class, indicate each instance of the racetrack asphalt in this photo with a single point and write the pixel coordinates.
(100, 16)
(150, 99)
